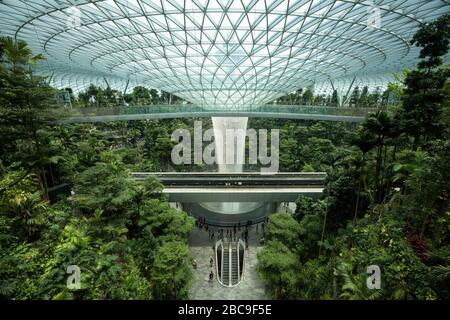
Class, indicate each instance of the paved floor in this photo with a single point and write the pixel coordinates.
(250, 287)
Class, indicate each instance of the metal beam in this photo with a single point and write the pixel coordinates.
(349, 88)
(254, 194)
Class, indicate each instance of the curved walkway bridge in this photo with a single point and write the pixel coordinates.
(80, 115)
(195, 187)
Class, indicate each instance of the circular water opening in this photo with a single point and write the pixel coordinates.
(230, 207)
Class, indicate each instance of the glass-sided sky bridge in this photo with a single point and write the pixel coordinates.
(190, 110)
(220, 52)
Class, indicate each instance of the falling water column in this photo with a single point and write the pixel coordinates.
(230, 157)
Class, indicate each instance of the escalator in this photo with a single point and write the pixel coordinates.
(230, 262)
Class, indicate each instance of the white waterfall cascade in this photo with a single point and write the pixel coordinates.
(230, 156)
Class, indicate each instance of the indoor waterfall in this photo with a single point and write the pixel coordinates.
(230, 157)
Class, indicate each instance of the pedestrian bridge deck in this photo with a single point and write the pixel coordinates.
(194, 187)
(80, 115)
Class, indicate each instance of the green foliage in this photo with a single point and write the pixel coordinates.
(386, 201)
(19, 270)
(303, 205)
(311, 217)
(355, 287)
(315, 280)
(28, 210)
(425, 94)
(434, 39)
(146, 244)
(120, 233)
(26, 101)
(440, 269)
(164, 222)
(284, 228)
(306, 145)
(278, 266)
(106, 186)
(107, 97)
(171, 274)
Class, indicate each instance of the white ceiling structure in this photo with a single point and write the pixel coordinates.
(227, 52)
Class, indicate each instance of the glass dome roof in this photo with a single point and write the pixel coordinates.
(227, 52)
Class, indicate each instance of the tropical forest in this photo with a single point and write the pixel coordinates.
(67, 197)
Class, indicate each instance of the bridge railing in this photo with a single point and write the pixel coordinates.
(192, 108)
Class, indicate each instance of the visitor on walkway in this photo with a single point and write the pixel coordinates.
(211, 276)
(211, 262)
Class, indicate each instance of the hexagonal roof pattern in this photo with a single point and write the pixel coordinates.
(226, 52)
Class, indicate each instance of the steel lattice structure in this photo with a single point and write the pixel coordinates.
(227, 52)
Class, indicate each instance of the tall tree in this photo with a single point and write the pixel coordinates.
(335, 99)
(171, 274)
(364, 98)
(25, 103)
(308, 96)
(424, 93)
(354, 98)
(379, 124)
(365, 143)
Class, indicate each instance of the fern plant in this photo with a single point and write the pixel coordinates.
(355, 286)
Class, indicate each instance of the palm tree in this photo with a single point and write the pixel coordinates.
(365, 143)
(379, 124)
(18, 53)
(441, 272)
(332, 160)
